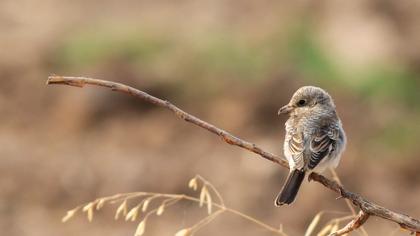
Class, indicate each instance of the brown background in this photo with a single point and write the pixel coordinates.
(233, 63)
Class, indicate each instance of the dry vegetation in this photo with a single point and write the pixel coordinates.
(140, 210)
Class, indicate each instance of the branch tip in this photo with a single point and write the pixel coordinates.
(357, 222)
(72, 81)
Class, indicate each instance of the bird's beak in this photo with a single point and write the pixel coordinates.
(285, 109)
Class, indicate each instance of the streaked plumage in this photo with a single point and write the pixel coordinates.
(314, 138)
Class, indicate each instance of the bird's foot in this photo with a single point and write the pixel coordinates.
(341, 194)
(310, 178)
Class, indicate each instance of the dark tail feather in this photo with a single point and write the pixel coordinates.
(289, 191)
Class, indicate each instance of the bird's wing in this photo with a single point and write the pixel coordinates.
(322, 143)
(296, 147)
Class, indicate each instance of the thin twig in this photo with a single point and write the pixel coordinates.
(227, 137)
(348, 202)
(365, 205)
(206, 221)
(357, 222)
(219, 196)
(235, 212)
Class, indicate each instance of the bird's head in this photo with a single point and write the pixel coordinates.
(305, 100)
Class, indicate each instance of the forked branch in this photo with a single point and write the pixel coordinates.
(360, 219)
(367, 207)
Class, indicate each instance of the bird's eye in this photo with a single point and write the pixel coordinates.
(301, 102)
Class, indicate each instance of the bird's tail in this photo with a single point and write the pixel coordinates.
(290, 189)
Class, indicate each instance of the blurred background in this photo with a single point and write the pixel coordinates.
(232, 63)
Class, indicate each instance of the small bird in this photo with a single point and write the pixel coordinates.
(314, 139)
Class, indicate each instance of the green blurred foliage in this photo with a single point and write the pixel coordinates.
(218, 54)
(92, 47)
(228, 55)
(372, 81)
(384, 81)
(225, 55)
(309, 57)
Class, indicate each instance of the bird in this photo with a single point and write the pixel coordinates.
(314, 139)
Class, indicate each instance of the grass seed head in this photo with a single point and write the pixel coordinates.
(313, 224)
(141, 228)
(69, 215)
(193, 184)
(184, 232)
(89, 209)
(100, 204)
(203, 195)
(132, 214)
(209, 202)
(121, 209)
(160, 210)
(146, 204)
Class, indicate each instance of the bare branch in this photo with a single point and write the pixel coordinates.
(405, 221)
(227, 137)
(367, 207)
(357, 222)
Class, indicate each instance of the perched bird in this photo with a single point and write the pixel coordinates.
(314, 138)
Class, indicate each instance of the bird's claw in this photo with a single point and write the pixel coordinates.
(310, 178)
(341, 194)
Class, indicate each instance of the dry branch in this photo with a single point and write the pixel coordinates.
(360, 219)
(367, 207)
